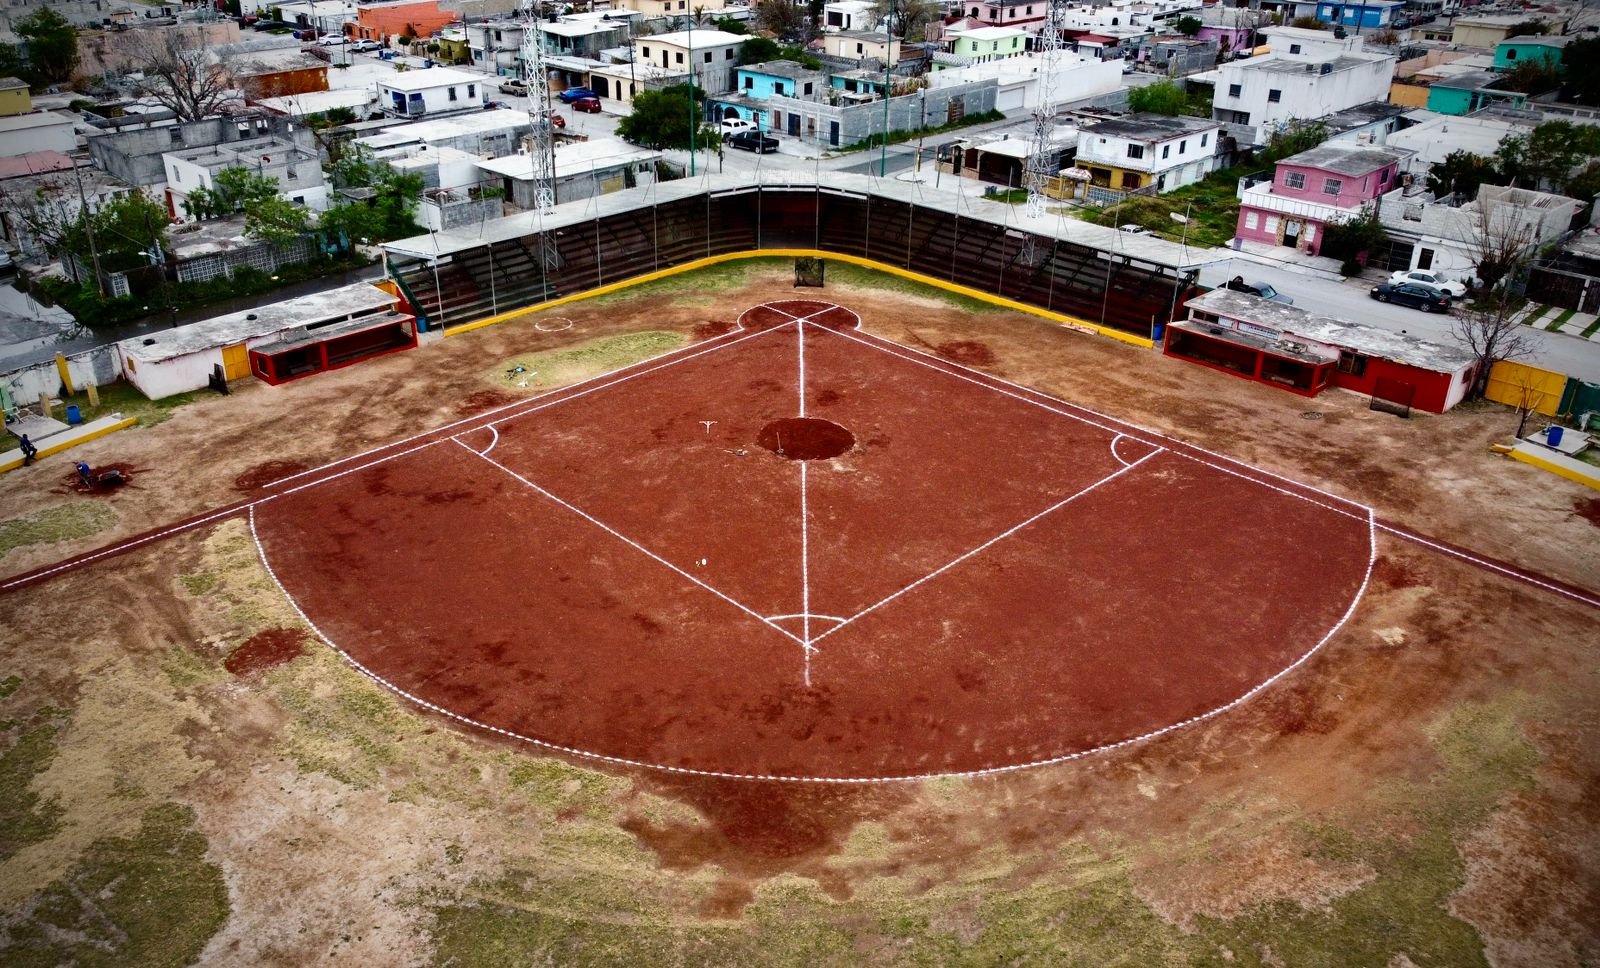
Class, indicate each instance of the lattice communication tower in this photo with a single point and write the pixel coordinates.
(1041, 157)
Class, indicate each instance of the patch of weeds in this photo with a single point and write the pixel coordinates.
(345, 728)
(125, 398)
(198, 584)
(562, 788)
(9, 685)
(845, 273)
(573, 363)
(454, 853)
(24, 818)
(150, 899)
(185, 670)
(60, 523)
(705, 282)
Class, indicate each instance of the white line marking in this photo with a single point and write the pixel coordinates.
(1114, 441)
(805, 573)
(825, 618)
(633, 544)
(991, 542)
(1485, 563)
(800, 338)
(492, 441)
(1372, 558)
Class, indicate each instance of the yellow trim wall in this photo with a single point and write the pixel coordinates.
(1519, 385)
(1586, 474)
(969, 292)
(15, 101)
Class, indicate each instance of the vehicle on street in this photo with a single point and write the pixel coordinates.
(513, 86)
(556, 120)
(1415, 294)
(332, 40)
(752, 141)
(1263, 289)
(735, 125)
(1453, 288)
(362, 46)
(573, 94)
(1132, 228)
(588, 105)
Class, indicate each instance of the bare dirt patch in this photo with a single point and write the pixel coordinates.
(265, 649)
(266, 473)
(1588, 509)
(967, 352)
(482, 400)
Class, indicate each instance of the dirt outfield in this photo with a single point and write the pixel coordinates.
(191, 775)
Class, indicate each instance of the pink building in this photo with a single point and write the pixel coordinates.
(1005, 13)
(1330, 184)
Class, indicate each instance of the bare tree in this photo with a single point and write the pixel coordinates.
(42, 213)
(906, 18)
(187, 80)
(1507, 233)
(1490, 331)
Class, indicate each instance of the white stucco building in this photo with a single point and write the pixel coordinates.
(711, 53)
(1127, 154)
(297, 172)
(1303, 78)
(431, 92)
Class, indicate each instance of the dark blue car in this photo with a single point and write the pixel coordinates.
(1425, 298)
(576, 94)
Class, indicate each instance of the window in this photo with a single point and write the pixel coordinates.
(708, 57)
(1234, 90)
(1511, 53)
(1352, 363)
(1294, 179)
(808, 87)
(646, 51)
(1204, 140)
(299, 199)
(728, 54)
(453, 94)
(1252, 221)
(858, 48)
(1272, 224)
(678, 57)
(289, 173)
(1183, 146)
(176, 134)
(472, 91)
(1311, 232)
(497, 36)
(1294, 48)
(1166, 151)
(1136, 151)
(777, 88)
(1274, 96)
(1332, 186)
(749, 82)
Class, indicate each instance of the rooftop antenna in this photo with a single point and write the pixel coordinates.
(1041, 157)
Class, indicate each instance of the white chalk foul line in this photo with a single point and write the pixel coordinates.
(815, 615)
(635, 545)
(1491, 566)
(837, 780)
(990, 543)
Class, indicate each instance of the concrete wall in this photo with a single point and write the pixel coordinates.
(99, 366)
(136, 156)
(58, 135)
(928, 107)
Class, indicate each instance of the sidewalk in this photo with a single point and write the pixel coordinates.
(1553, 319)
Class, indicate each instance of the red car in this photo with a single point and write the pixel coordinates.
(589, 105)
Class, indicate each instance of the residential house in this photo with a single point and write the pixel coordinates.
(1177, 55)
(1366, 124)
(1486, 32)
(1434, 136)
(583, 169)
(23, 134)
(1005, 13)
(14, 97)
(1450, 238)
(981, 45)
(431, 92)
(669, 8)
(385, 21)
(780, 78)
(1362, 14)
(278, 73)
(1307, 44)
(1144, 150)
(861, 46)
(496, 46)
(1465, 93)
(848, 15)
(297, 172)
(589, 35)
(1018, 79)
(363, 101)
(1285, 86)
(453, 47)
(1233, 28)
(712, 54)
(48, 188)
(1292, 349)
(1327, 185)
(487, 134)
(322, 16)
(1516, 51)
(138, 157)
(120, 49)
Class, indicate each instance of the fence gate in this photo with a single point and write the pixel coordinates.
(1393, 396)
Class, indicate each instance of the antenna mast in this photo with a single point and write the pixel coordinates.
(1041, 157)
(541, 140)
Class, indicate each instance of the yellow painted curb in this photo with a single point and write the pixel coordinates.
(122, 424)
(1571, 474)
(967, 291)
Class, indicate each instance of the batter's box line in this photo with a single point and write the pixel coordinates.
(641, 548)
(806, 319)
(1179, 448)
(990, 543)
(354, 663)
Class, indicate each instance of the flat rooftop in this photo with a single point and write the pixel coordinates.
(431, 77)
(334, 305)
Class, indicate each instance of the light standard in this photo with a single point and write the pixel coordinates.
(1177, 276)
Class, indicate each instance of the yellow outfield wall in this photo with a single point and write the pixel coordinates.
(1520, 385)
(967, 291)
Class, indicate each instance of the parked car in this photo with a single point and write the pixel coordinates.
(573, 94)
(1132, 228)
(556, 120)
(1453, 288)
(1425, 298)
(513, 87)
(588, 105)
(752, 141)
(362, 46)
(736, 125)
(332, 40)
(1263, 289)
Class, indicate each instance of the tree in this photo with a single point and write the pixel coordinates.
(1298, 136)
(906, 18)
(1525, 28)
(45, 215)
(1162, 97)
(782, 18)
(1308, 23)
(662, 119)
(1188, 26)
(232, 190)
(1506, 238)
(1490, 331)
(728, 25)
(1460, 173)
(1547, 155)
(275, 219)
(387, 214)
(1583, 83)
(183, 79)
(52, 45)
(1351, 242)
(1530, 77)
(128, 232)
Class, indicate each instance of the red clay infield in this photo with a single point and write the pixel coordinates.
(641, 567)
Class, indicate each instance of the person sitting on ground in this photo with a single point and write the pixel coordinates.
(29, 452)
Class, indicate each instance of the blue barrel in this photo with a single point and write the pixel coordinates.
(73, 416)
(1552, 437)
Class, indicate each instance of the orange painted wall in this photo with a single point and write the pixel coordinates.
(422, 18)
(283, 83)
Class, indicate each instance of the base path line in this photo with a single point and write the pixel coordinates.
(989, 544)
(580, 512)
(1524, 575)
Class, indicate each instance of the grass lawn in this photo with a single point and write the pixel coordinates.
(1561, 320)
(1212, 206)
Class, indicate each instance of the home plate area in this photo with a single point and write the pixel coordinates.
(799, 551)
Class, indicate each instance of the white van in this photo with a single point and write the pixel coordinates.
(736, 125)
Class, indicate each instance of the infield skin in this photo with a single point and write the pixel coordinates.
(988, 579)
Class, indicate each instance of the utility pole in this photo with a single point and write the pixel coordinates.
(888, 63)
(693, 118)
(88, 228)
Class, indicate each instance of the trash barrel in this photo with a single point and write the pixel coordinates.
(73, 416)
(1552, 436)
